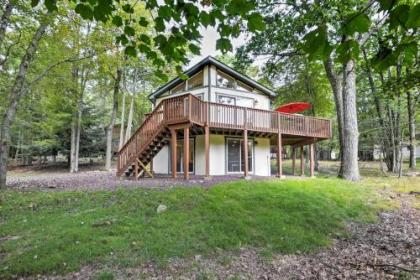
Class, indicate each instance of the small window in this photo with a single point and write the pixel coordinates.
(179, 88)
(223, 99)
(224, 80)
(242, 86)
(196, 81)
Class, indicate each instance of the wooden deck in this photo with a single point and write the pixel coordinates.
(188, 109)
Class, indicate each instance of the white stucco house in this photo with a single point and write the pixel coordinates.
(201, 124)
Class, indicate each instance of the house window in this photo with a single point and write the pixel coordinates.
(196, 81)
(235, 100)
(242, 86)
(228, 100)
(224, 80)
(179, 88)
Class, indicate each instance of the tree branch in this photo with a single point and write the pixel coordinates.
(52, 66)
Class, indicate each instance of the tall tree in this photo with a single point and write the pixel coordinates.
(332, 32)
(110, 127)
(16, 93)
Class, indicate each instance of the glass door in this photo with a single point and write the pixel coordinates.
(235, 155)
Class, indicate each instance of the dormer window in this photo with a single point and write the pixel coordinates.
(242, 86)
(224, 80)
(179, 88)
(196, 81)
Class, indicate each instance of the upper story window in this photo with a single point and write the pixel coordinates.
(179, 88)
(196, 81)
(224, 80)
(242, 86)
(228, 100)
(235, 100)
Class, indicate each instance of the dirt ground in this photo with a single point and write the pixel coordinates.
(91, 179)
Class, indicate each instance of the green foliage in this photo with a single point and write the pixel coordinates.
(357, 22)
(62, 231)
(316, 43)
(185, 19)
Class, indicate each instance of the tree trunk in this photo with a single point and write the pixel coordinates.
(108, 154)
(130, 120)
(15, 96)
(349, 159)
(336, 85)
(411, 130)
(78, 129)
(73, 144)
(122, 123)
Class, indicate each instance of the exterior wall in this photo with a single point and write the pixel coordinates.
(262, 157)
(200, 165)
(161, 161)
(210, 94)
(217, 156)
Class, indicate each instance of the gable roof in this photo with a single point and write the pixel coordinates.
(219, 65)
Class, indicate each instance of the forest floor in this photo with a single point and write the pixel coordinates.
(267, 244)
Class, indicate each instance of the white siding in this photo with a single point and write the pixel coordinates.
(161, 161)
(217, 155)
(262, 156)
(200, 164)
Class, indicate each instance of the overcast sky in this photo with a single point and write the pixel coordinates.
(208, 44)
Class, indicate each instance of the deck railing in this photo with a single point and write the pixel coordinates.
(188, 108)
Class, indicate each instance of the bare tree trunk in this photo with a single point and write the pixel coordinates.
(78, 129)
(411, 130)
(130, 120)
(73, 144)
(4, 20)
(108, 154)
(350, 167)
(337, 88)
(122, 123)
(15, 96)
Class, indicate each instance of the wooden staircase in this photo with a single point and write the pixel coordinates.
(153, 135)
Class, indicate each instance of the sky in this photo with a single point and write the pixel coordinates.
(208, 44)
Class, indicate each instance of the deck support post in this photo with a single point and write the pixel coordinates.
(245, 143)
(293, 160)
(136, 170)
(302, 162)
(279, 156)
(207, 149)
(311, 160)
(173, 152)
(186, 153)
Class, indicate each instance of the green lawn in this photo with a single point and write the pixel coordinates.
(58, 232)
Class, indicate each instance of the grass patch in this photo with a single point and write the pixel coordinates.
(58, 232)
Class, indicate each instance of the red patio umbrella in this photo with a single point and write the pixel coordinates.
(294, 107)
